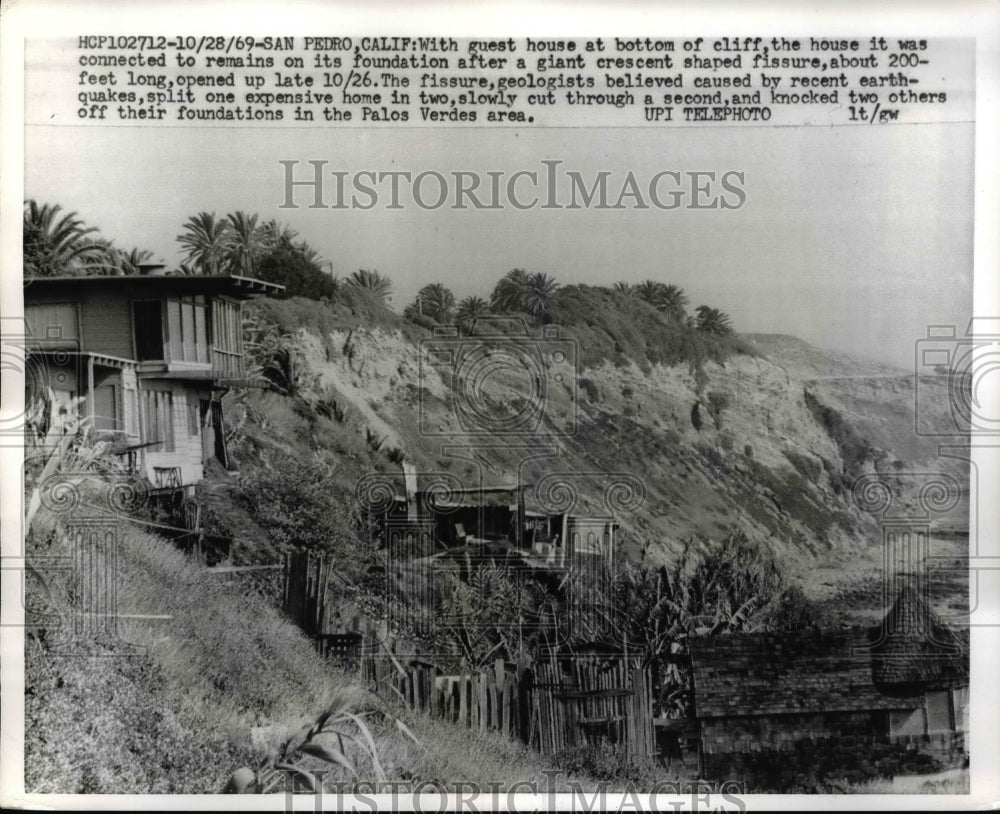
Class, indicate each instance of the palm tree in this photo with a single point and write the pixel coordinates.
(274, 232)
(207, 242)
(380, 284)
(674, 302)
(312, 256)
(103, 258)
(650, 291)
(713, 321)
(248, 245)
(469, 309)
(128, 262)
(509, 293)
(56, 246)
(623, 288)
(434, 301)
(539, 291)
(665, 298)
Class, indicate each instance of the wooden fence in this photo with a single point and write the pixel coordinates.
(552, 702)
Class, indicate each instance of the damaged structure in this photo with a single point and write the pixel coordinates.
(890, 699)
(144, 360)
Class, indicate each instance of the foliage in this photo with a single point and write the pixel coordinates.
(291, 265)
(480, 613)
(237, 244)
(666, 298)
(207, 242)
(713, 321)
(337, 738)
(855, 450)
(508, 294)
(718, 403)
(470, 309)
(434, 301)
(608, 326)
(607, 762)
(733, 585)
(248, 242)
(373, 281)
(57, 245)
(539, 290)
(303, 505)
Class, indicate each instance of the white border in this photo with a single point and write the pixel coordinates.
(54, 18)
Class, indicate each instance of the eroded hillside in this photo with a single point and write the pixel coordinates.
(765, 434)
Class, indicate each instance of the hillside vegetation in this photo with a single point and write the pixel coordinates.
(725, 432)
(221, 679)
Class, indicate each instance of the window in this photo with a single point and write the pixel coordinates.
(147, 316)
(186, 329)
(227, 338)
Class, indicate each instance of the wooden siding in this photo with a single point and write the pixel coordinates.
(54, 324)
(187, 449)
(107, 326)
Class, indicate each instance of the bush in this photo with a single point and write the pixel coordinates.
(854, 449)
(301, 505)
(718, 402)
(590, 388)
(807, 466)
(606, 762)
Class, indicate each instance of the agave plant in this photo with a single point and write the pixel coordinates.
(338, 737)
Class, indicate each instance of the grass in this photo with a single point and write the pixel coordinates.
(225, 681)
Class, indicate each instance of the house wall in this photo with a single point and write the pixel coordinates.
(187, 453)
(789, 752)
(106, 326)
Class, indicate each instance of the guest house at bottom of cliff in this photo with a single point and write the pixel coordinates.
(775, 709)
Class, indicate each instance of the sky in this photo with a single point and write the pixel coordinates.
(852, 238)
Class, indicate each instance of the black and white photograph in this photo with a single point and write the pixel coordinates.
(439, 407)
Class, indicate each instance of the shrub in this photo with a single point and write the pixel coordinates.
(807, 466)
(593, 392)
(854, 449)
(300, 504)
(606, 762)
(718, 402)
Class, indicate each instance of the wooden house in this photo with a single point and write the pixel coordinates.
(147, 357)
(773, 707)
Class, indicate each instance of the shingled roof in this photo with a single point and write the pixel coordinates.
(887, 667)
(766, 674)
